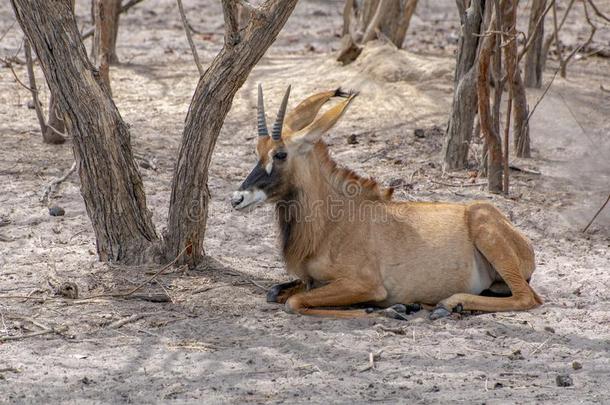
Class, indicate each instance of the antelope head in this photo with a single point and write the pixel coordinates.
(288, 147)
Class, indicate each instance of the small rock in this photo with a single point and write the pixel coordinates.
(68, 289)
(549, 329)
(498, 385)
(397, 182)
(85, 380)
(564, 380)
(30, 104)
(56, 211)
(352, 139)
(419, 133)
(516, 355)
(145, 165)
(576, 365)
(320, 13)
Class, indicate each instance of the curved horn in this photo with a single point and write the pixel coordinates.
(276, 134)
(262, 120)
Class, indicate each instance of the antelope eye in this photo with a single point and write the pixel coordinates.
(280, 156)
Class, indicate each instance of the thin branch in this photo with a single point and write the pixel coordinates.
(596, 214)
(189, 37)
(8, 30)
(599, 13)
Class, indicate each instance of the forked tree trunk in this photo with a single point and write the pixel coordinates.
(363, 19)
(492, 137)
(211, 102)
(464, 108)
(533, 57)
(110, 182)
(106, 20)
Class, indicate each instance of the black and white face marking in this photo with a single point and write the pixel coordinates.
(263, 182)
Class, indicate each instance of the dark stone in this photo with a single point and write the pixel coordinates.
(564, 380)
(576, 365)
(56, 211)
(419, 133)
(352, 139)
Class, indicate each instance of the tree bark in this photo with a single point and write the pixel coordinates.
(464, 107)
(106, 20)
(210, 104)
(492, 136)
(110, 182)
(533, 57)
(521, 136)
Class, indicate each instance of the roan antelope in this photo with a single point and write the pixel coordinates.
(349, 243)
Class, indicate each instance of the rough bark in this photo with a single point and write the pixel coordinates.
(363, 20)
(111, 185)
(533, 57)
(210, 104)
(492, 136)
(106, 20)
(464, 107)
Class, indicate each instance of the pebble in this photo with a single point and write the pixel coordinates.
(564, 380)
(56, 211)
(576, 365)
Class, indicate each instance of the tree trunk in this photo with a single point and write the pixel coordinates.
(362, 20)
(110, 182)
(464, 108)
(492, 137)
(55, 124)
(521, 137)
(106, 20)
(533, 57)
(210, 104)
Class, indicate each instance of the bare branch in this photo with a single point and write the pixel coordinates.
(599, 13)
(189, 37)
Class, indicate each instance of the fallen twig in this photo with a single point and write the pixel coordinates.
(539, 347)
(129, 319)
(458, 185)
(596, 214)
(50, 188)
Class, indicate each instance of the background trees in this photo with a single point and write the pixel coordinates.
(110, 181)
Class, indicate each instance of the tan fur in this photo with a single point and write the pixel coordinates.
(384, 251)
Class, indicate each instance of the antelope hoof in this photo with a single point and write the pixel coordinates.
(274, 293)
(439, 312)
(442, 312)
(399, 311)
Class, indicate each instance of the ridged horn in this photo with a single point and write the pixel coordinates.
(276, 133)
(262, 120)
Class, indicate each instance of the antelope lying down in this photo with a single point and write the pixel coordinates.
(349, 243)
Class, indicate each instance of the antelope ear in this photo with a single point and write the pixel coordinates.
(314, 131)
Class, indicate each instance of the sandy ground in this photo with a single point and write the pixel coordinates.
(217, 341)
